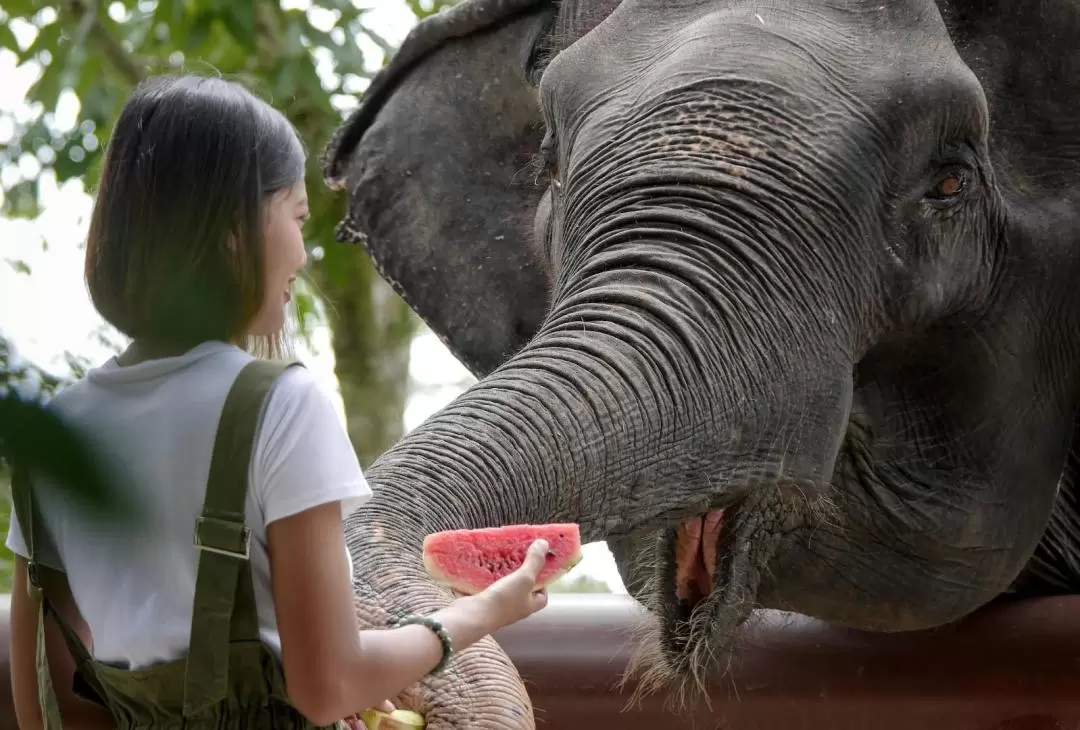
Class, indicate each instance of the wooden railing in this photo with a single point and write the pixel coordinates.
(1009, 667)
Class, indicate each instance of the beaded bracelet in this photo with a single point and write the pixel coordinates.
(442, 633)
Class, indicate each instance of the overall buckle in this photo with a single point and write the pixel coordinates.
(224, 537)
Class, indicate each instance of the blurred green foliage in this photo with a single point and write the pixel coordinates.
(311, 59)
(7, 562)
(306, 58)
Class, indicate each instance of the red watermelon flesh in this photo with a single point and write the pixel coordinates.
(469, 561)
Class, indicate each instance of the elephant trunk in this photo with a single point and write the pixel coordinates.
(642, 401)
(543, 439)
(384, 538)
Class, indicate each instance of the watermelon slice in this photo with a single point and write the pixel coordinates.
(468, 561)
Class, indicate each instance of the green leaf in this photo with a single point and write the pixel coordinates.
(306, 315)
(420, 12)
(48, 39)
(342, 6)
(239, 18)
(21, 200)
(7, 40)
(383, 44)
(348, 58)
(48, 86)
(200, 29)
(32, 434)
(21, 8)
(21, 267)
(76, 53)
(292, 47)
(171, 14)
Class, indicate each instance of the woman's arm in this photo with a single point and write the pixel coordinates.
(76, 712)
(304, 465)
(331, 669)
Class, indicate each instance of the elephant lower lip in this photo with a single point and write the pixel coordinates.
(700, 604)
(696, 543)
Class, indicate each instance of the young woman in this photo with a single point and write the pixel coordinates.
(194, 244)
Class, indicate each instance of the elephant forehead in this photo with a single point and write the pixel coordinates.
(641, 42)
(701, 64)
(577, 18)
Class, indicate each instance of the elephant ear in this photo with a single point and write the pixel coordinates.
(442, 192)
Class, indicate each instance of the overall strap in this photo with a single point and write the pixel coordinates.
(224, 608)
(30, 521)
(23, 502)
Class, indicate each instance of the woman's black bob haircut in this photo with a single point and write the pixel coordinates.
(175, 248)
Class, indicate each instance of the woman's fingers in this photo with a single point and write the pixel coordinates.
(535, 559)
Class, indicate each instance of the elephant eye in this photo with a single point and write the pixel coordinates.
(948, 187)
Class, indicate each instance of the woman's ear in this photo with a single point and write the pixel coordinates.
(436, 165)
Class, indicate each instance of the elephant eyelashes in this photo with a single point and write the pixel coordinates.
(553, 173)
(547, 151)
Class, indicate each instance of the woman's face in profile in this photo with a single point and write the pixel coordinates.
(284, 256)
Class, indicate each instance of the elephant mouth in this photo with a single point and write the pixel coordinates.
(696, 545)
(710, 580)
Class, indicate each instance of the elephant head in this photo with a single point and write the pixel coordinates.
(777, 298)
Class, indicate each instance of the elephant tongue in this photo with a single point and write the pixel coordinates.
(695, 556)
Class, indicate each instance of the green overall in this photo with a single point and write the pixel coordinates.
(230, 678)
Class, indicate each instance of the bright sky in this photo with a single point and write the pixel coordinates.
(49, 311)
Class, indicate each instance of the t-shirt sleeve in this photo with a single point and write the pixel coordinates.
(15, 542)
(302, 455)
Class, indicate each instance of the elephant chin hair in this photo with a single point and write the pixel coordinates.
(651, 671)
(684, 676)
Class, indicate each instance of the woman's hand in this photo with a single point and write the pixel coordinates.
(385, 706)
(514, 597)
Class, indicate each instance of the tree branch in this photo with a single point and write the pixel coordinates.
(109, 47)
(384, 45)
(116, 54)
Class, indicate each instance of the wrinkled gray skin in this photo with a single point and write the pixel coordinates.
(812, 262)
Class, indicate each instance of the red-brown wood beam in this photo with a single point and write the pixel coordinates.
(1008, 667)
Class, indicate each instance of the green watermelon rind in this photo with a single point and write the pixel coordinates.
(440, 575)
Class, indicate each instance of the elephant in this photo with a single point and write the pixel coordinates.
(778, 298)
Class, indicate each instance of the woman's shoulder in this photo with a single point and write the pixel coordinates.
(207, 367)
(303, 455)
(206, 356)
(299, 394)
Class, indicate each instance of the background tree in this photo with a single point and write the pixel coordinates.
(309, 62)
(306, 59)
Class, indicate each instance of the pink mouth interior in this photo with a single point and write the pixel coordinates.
(695, 556)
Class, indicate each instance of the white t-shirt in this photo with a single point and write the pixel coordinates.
(158, 419)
